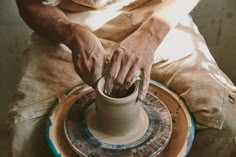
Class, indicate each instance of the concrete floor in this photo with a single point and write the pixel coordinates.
(216, 20)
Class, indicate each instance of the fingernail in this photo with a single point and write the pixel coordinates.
(109, 90)
(105, 91)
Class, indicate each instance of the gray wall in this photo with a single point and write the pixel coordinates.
(216, 20)
(13, 37)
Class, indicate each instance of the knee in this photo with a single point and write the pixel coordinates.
(211, 105)
(220, 141)
(210, 145)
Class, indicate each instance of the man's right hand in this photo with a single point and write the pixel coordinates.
(49, 21)
(88, 55)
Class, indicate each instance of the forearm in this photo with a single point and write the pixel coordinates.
(46, 20)
(171, 11)
(166, 17)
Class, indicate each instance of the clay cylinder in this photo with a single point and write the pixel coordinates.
(117, 116)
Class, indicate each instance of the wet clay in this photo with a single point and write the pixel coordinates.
(117, 118)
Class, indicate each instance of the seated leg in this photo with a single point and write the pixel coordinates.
(211, 98)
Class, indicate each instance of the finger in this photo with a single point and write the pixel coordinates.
(118, 88)
(78, 66)
(232, 98)
(97, 71)
(145, 83)
(82, 69)
(133, 72)
(111, 74)
(106, 64)
(119, 81)
(83, 72)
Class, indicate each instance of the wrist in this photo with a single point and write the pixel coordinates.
(67, 31)
(80, 37)
(63, 31)
(155, 30)
(74, 32)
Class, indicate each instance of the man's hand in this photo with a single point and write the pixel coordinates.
(88, 55)
(133, 56)
(51, 22)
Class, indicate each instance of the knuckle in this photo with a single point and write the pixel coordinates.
(128, 79)
(125, 61)
(120, 49)
(130, 59)
(118, 52)
(138, 59)
(98, 65)
(111, 75)
(119, 82)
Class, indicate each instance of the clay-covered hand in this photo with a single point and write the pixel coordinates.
(88, 55)
(133, 56)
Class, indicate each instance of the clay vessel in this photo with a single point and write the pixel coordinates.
(117, 116)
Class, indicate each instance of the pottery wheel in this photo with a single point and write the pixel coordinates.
(152, 137)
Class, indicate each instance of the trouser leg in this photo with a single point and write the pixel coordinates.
(220, 143)
(28, 139)
(47, 72)
(210, 96)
